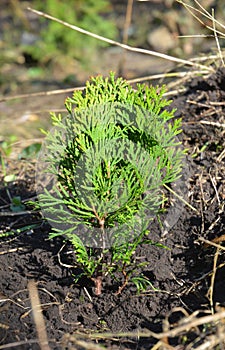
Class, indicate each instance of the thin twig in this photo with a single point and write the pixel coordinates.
(124, 46)
(212, 243)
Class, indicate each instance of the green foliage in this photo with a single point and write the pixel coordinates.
(111, 157)
(16, 204)
(31, 151)
(6, 148)
(27, 229)
(58, 43)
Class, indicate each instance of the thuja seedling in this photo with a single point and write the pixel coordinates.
(103, 167)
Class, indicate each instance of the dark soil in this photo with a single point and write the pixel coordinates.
(180, 275)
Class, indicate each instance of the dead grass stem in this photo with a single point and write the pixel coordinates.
(38, 317)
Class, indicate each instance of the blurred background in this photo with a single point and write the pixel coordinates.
(38, 55)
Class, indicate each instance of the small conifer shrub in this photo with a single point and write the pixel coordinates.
(101, 172)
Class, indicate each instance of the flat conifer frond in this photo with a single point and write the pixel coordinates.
(108, 161)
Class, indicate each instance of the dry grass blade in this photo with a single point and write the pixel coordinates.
(208, 243)
(124, 46)
(205, 58)
(166, 76)
(216, 38)
(125, 34)
(42, 93)
(206, 122)
(18, 343)
(69, 342)
(184, 327)
(38, 317)
(180, 198)
(221, 156)
(192, 10)
(213, 276)
(131, 81)
(10, 251)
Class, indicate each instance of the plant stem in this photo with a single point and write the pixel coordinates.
(121, 288)
(98, 284)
